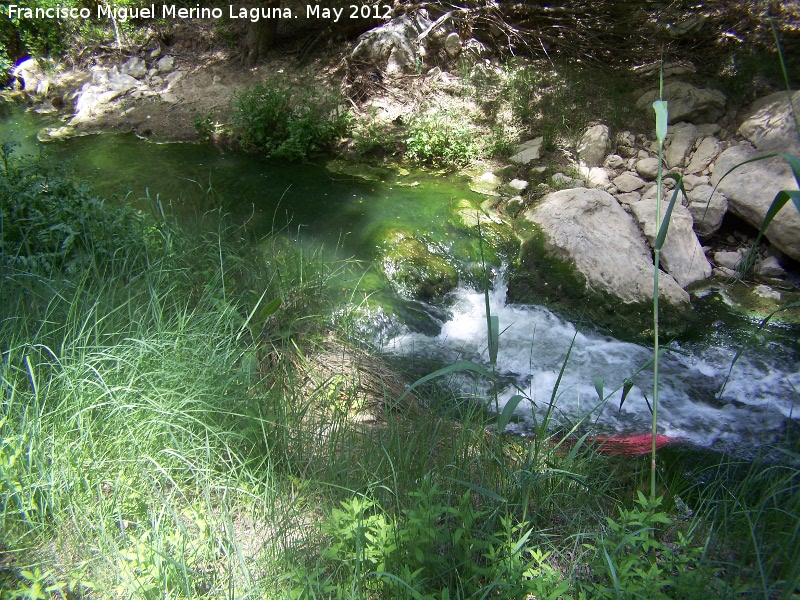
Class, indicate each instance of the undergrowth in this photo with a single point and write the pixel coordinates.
(284, 120)
(189, 415)
(560, 102)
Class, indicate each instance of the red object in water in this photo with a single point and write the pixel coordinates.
(628, 445)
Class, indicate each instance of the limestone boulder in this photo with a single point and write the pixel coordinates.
(705, 154)
(452, 44)
(528, 151)
(769, 125)
(682, 139)
(707, 207)
(392, 47)
(681, 255)
(486, 183)
(135, 67)
(647, 168)
(595, 177)
(32, 75)
(729, 260)
(104, 86)
(593, 146)
(628, 182)
(589, 228)
(687, 102)
(751, 188)
(165, 64)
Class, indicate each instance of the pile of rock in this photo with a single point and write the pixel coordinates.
(410, 43)
(604, 223)
(97, 89)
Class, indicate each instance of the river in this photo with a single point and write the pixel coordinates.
(760, 403)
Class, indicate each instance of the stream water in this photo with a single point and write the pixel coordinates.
(760, 403)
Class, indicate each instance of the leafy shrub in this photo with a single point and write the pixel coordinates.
(441, 140)
(287, 122)
(441, 546)
(5, 66)
(632, 562)
(47, 223)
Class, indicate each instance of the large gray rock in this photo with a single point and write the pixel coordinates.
(769, 124)
(647, 168)
(687, 103)
(681, 255)
(595, 177)
(528, 151)
(392, 47)
(32, 74)
(682, 139)
(729, 260)
(104, 86)
(705, 154)
(593, 145)
(135, 67)
(750, 190)
(628, 182)
(707, 209)
(589, 228)
(452, 44)
(165, 64)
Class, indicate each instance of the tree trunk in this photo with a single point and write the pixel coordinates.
(260, 37)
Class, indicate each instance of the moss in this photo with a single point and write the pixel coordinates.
(416, 267)
(497, 233)
(537, 277)
(359, 170)
(745, 299)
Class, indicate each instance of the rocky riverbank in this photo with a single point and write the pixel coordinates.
(584, 213)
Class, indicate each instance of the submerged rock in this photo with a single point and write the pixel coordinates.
(489, 225)
(52, 134)
(416, 267)
(358, 170)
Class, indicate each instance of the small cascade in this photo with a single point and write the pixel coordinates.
(753, 409)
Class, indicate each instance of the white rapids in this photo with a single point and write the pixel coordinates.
(762, 393)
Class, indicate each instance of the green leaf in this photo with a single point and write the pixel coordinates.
(508, 410)
(794, 162)
(269, 309)
(494, 338)
(476, 488)
(598, 386)
(561, 374)
(627, 385)
(660, 106)
(664, 226)
(465, 365)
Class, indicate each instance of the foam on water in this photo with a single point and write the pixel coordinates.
(756, 402)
